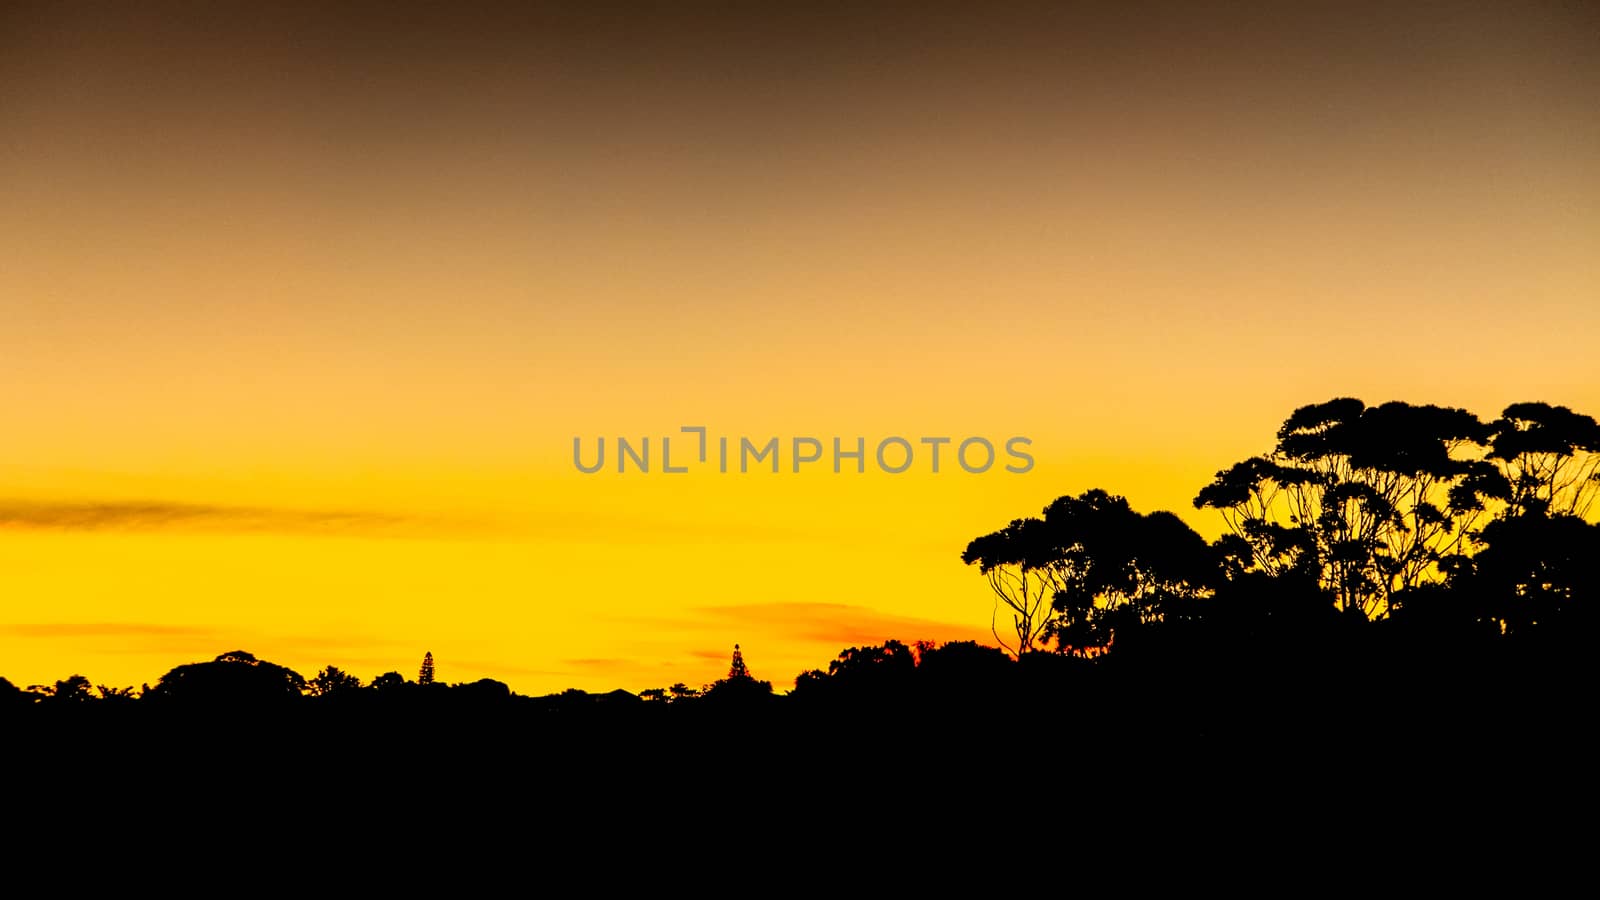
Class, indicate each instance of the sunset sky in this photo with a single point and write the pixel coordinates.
(300, 310)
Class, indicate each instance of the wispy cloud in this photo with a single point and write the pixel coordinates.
(182, 642)
(609, 665)
(105, 629)
(839, 624)
(144, 516)
(598, 663)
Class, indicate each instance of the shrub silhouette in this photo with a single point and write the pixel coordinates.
(233, 678)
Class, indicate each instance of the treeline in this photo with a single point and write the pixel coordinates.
(1422, 521)
(1390, 546)
(1310, 691)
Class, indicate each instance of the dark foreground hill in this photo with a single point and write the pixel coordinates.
(1311, 723)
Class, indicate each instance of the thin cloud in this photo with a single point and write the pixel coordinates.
(148, 516)
(600, 664)
(584, 526)
(840, 623)
(105, 629)
(129, 638)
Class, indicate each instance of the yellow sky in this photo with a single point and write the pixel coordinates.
(299, 315)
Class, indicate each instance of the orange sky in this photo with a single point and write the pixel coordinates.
(300, 311)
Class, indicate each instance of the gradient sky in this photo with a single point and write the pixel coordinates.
(301, 310)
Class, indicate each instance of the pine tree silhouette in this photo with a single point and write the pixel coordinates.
(737, 669)
(426, 675)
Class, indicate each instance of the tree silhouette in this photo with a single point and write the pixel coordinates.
(1090, 565)
(1537, 571)
(70, 690)
(891, 660)
(1017, 560)
(1117, 570)
(425, 676)
(964, 668)
(115, 694)
(870, 673)
(389, 681)
(922, 673)
(1550, 457)
(1368, 500)
(235, 678)
(11, 695)
(331, 682)
(739, 685)
(484, 690)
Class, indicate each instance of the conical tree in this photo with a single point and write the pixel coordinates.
(737, 669)
(739, 687)
(426, 675)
